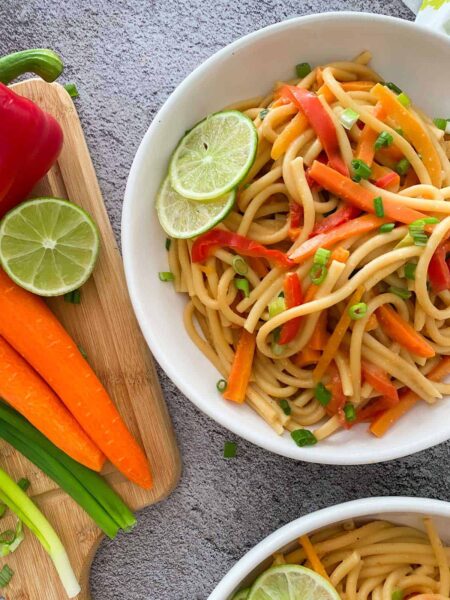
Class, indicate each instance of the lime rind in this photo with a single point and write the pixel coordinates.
(183, 218)
(48, 246)
(214, 156)
(242, 594)
(292, 582)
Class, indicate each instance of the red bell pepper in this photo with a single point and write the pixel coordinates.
(387, 180)
(340, 216)
(380, 381)
(295, 219)
(293, 296)
(438, 269)
(308, 102)
(338, 399)
(30, 142)
(205, 245)
(372, 410)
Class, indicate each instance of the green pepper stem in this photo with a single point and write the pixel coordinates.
(40, 61)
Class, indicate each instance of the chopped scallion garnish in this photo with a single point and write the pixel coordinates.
(285, 406)
(303, 69)
(240, 266)
(397, 595)
(440, 123)
(277, 349)
(384, 140)
(276, 307)
(73, 297)
(168, 242)
(166, 276)
(322, 256)
(402, 166)
(243, 285)
(386, 227)
(6, 574)
(400, 292)
(361, 169)
(221, 385)
(404, 99)
(399, 130)
(349, 412)
(378, 206)
(263, 113)
(323, 396)
(393, 87)
(229, 449)
(417, 230)
(71, 89)
(318, 274)
(348, 118)
(303, 437)
(410, 270)
(357, 311)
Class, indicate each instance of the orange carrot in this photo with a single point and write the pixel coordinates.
(310, 293)
(327, 94)
(359, 196)
(357, 86)
(311, 555)
(296, 127)
(389, 156)
(379, 380)
(342, 232)
(385, 421)
(372, 323)
(241, 368)
(340, 254)
(25, 391)
(410, 179)
(34, 332)
(402, 332)
(366, 144)
(306, 357)
(258, 265)
(320, 335)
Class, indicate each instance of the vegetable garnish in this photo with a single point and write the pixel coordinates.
(73, 297)
(397, 595)
(293, 296)
(384, 140)
(380, 381)
(26, 510)
(387, 180)
(322, 256)
(440, 123)
(229, 449)
(29, 326)
(11, 539)
(6, 574)
(393, 87)
(263, 113)
(241, 368)
(221, 385)
(349, 412)
(318, 274)
(40, 61)
(340, 216)
(303, 69)
(378, 206)
(438, 269)
(403, 293)
(240, 266)
(361, 169)
(243, 285)
(402, 166)
(285, 406)
(357, 311)
(417, 230)
(322, 395)
(277, 306)
(166, 276)
(410, 270)
(348, 118)
(24, 484)
(387, 227)
(303, 437)
(72, 90)
(167, 244)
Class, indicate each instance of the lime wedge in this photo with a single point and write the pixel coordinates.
(48, 246)
(292, 582)
(214, 156)
(182, 218)
(242, 594)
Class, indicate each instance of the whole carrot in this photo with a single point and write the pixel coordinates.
(32, 329)
(28, 393)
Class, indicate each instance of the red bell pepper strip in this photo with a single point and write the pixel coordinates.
(205, 245)
(295, 213)
(373, 410)
(293, 296)
(338, 399)
(387, 180)
(30, 142)
(438, 269)
(308, 102)
(380, 381)
(340, 216)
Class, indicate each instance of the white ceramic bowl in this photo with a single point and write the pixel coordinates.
(412, 57)
(406, 511)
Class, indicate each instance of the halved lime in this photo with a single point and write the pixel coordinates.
(292, 582)
(214, 156)
(48, 246)
(183, 218)
(242, 594)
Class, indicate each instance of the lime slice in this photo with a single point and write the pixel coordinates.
(214, 156)
(292, 582)
(242, 595)
(182, 218)
(48, 246)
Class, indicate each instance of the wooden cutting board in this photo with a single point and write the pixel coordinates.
(104, 325)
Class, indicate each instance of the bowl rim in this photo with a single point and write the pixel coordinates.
(269, 442)
(310, 522)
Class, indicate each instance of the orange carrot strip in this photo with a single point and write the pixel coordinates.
(389, 156)
(311, 555)
(385, 421)
(357, 86)
(379, 380)
(372, 323)
(306, 357)
(359, 196)
(25, 391)
(410, 179)
(379, 173)
(402, 332)
(342, 232)
(33, 331)
(366, 144)
(320, 336)
(336, 337)
(413, 131)
(310, 293)
(258, 265)
(296, 127)
(241, 368)
(325, 91)
(340, 254)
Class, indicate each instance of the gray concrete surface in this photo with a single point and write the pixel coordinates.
(126, 56)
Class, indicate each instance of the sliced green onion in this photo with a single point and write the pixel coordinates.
(349, 412)
(303, 69)
(263, 113)
(357, 311)
(276, 307)
(276, 335)
(71, 89)
(24, 483)
(322, 256)
(221, 385)
(397, 595)
(323, 396)
(229, 449)
(277, 349)
(440, 123)
(402, 166)
(410, 270)
(10, 540)
(6, 574)
(168, 243)
(400, 292)
(348, 118)
(83, 352)
(399, 130)
(166, 276)
(243, 285)
(404, 99)
(303, 437)
(318, 274)
(285, 406)
(386, 227)
(73, 297)
(361, 169)
(393, 87)
(417, 230)
(239, 265)
(384, 140)
(378, 206)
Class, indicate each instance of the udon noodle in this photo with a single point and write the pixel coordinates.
(369, 270)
